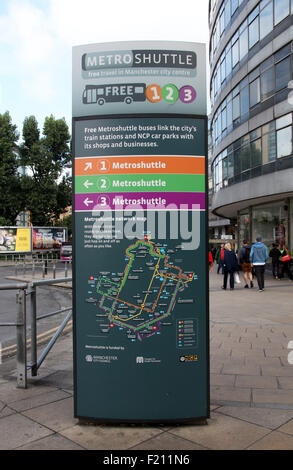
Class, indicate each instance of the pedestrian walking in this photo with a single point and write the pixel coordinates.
(258, 257)
(284, 261)
(244, 262)
(220, 258)
(211, 261)
(214, 251)
(230, 266)
(275, 254)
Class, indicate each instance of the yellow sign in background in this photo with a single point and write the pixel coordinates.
(23, 239)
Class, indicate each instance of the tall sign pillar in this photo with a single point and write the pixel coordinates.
(140, 232)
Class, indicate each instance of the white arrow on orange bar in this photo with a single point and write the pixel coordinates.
(87, 184)
(87, 202)
(88, 166)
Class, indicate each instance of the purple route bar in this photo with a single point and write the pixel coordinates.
(139, 201)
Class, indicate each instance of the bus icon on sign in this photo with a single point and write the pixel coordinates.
(126, 92)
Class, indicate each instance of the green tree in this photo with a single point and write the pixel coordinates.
(11, 200)
(46, 185)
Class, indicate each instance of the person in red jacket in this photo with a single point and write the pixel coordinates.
(211, 261)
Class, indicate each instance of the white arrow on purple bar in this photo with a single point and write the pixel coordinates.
(87, 184)
(87, 202)
(88, 166)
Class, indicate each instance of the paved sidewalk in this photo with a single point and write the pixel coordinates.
(251, 387)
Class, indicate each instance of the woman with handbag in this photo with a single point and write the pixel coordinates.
(230, 266)
(285, 260)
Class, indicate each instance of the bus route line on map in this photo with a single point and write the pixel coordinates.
(113, 292)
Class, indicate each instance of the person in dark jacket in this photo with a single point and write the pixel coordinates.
(220, 258)
(230, 266)
(244, 262)
(275, 255)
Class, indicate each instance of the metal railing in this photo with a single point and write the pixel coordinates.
(21, 356)
(25, 289)
(44, 266)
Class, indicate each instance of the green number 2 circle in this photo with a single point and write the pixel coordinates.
(170, 93)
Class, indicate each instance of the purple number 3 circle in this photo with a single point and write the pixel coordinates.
(187, 94)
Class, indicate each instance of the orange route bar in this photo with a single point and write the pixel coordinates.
(140, 165)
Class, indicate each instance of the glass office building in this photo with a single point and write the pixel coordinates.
(251, 88)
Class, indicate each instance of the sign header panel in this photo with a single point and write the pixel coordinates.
(139, 77)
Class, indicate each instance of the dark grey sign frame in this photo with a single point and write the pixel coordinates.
(190, 420)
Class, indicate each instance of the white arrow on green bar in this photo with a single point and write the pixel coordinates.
(87, 202)
(87, 184)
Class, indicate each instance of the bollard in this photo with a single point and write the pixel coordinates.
(43, 270)
(54, 270)
(33, 299)
(66, 269)
(33, 269)
(21, 340)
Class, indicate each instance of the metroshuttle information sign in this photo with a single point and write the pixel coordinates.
(140, 228)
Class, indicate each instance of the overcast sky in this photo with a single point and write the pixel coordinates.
(37, 38)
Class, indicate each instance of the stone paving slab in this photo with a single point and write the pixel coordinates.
(36, 401)
(256, 381)
(52, 442)
(55, 416)
(273, 398)
(268, 418)
(110, 437)
(9, 393)
(274, 441)
(167, 441)
(222, 432)
(16, 430)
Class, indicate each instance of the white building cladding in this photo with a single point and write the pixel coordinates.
(251, 61)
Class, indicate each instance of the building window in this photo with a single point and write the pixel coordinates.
(270, 221)
(235, 52)
(244, 102)
(234, 6)
(228, 13)
(254, 88)
(283, 73)
(243, 41)
(253, 28)
(268, 144)
(228, 62)
(282, 9)
(229, 114)
(236, 108)
(245, 158)
(267, 83)
(244, 226)
(266, 20)
(284, 142)
(255, 150)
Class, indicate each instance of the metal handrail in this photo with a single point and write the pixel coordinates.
(24, 289)
(35, 362)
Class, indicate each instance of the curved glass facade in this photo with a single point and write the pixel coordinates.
(251, 47)
(264, 150)
(265, 86)
(253, 32)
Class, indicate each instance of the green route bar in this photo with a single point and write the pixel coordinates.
(139, 183)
